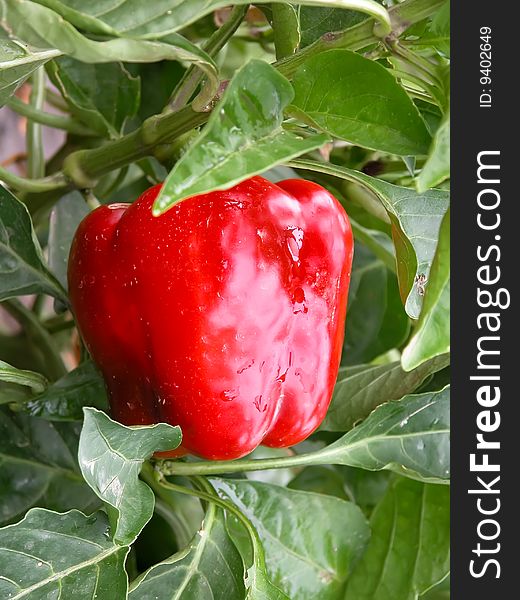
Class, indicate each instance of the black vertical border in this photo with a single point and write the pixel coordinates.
(475, 129)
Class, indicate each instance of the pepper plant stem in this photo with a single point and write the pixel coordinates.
(40, 336)
(43, 184)
(362, 35)
(412, 58)
(34, 141)
(193, 76)
(164, 506)
(216, 467)
(56, 324)
(46, 118)
(84, 167)
(214, 499)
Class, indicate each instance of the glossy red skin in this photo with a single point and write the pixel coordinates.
(225, 315)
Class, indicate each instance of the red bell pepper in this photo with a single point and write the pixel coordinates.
(225, 315)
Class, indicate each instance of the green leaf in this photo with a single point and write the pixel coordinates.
(431, 114)
(110, 457)
(65, 217)
(409, 436)
(316, 21)
(286, 28)
(209, 567)
(432, 335)
(177, 515)
(415, 218)
(437, 167)
(440, 592)
(43, 28)
(437, 381)
(320, 479)
(410, 163)
(64, 400)
(356, 99)
(374, 239)
(38, 466)
(30, 379)
(17, 62)
(410, 545)
(133, 19)
(22, 269)
(440, 30)
(311, 540)
(376, 321)
(52, 555)
(260, 588)
(157, 82)
(356, 395)
(243, 137)
(366, 488)
(365, 207)
(11, 393)
(435, 33)
(103, 96)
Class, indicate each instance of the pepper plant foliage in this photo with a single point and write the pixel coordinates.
(353, 94)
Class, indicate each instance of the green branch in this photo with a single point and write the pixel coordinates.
(164, 505)
(40, 337)
(56, 324)
(85, 167)
(34, 140)
(44, 184)
(360, 36)
(193, 76)
(215, 467)
(45, 118)
(207, 493)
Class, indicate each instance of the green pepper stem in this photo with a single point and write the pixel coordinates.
(216, 467)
